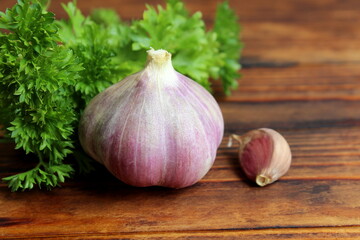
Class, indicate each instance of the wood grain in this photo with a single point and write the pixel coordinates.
(324, 30)
(295, 83)
(300, 76)
(285, 233)
(215, 205)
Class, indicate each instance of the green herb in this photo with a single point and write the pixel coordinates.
(212, 54)
(50, 70)
(36, 80)
(195, 51)
(228, 30)
(102, 47)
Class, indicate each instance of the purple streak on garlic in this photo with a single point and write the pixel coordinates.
(154, 128)
(264, 155)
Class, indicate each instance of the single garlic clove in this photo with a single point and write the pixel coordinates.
(264, 155)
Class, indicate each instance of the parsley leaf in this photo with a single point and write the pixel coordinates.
(228, 30)
(195, 52)
(104, 38)
(102, 47)
(36, 78)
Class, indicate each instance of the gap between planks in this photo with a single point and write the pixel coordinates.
(263, 232)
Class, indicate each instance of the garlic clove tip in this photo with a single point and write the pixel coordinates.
(262, 180)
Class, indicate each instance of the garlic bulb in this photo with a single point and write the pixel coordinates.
(264, 155)
(154, 128)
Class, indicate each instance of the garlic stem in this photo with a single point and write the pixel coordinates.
(236, 137)
(158, 56)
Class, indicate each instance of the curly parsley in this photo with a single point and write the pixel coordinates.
(37, 76)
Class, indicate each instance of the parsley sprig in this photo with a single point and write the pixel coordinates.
(37, 75)
(50, 70)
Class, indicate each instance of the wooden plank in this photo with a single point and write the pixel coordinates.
(280, 16)
(296, 172)
(253, 234)
(290, 115)
(341, 50)
(256, 10)
(301, 77)
(227, 169)
(264, 81)
(116, 208)
(316, 142)
(319, 192)
(319, 148)
(277, 31)
(304, 124)
(310, 147)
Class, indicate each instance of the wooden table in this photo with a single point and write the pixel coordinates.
(301, 76)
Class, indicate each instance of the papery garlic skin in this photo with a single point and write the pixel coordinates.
(264, 155)
(154, 128)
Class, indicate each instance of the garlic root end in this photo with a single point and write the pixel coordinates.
(262, 180)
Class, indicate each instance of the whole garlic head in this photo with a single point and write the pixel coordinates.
(156, 127)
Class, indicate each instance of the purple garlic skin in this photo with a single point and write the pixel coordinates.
(264, 155)
(154, 128)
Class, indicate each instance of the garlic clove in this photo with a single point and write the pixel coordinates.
(264, 155)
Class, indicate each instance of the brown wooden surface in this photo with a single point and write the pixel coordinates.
(301, 76)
